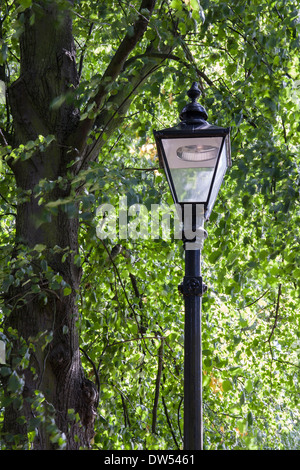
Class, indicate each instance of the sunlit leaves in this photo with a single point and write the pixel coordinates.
(245, 56)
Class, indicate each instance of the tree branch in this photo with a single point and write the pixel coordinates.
(95, 372)
(276, 313)
(254, 301)
(108, 121)
(169, 422)
(121, 282)
(114, 69)
(188, 64)
(3, 137)
(127, 45)
(84, 49)
(157, 385)
(178, 418)
(125, 412)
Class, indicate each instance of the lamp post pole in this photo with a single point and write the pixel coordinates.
(195, 156)
(193, 427)
(192, 289)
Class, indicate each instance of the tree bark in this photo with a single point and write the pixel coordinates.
(48, 70)
(46, 332)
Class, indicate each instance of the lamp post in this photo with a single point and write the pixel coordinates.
(195, 156)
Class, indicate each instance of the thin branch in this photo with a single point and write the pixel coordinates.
(142, 169)
(256, 300)
(139, 338)
(136, 289)
(157, 385)
(191, 60)
(115, 142)
(121, 6)
(169, 422)
(5, 200)
(84, 49)
(178, 418)
(284, 132)
(276, 314)
(285, 362)
(169, 56)
(3, 138)
(120, 391)
(8, 213)
(125, 411)
(142, 326)
(95, 372)
(122, 106)
(114, 68)
(121, 282)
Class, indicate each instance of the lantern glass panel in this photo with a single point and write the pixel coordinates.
(192, 166)
(221, 170)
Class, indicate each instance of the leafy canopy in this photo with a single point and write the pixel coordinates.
(245, 57)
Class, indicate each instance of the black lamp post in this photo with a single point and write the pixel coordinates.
(195, 156)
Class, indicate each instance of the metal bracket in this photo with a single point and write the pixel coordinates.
(192, 286)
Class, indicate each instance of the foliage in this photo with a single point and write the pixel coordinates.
(245, 57)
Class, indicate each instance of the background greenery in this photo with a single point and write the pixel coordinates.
(245, 56)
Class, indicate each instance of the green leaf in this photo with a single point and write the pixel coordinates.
(226, 386)
(242, 426)
(67, 291)
(195, 5)
(5, 371)
(2, 92)
(25, 3)
(34, 423)
(65, 329)
(35, 288)
(15, 383)
(39, 248)
(176, 5)
(250, 418)
(249, 386)
(44, 265)
(58, 102)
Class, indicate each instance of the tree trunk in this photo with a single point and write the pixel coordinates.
(41, 315)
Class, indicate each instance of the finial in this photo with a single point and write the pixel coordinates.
(194, 92)
(193, 112)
